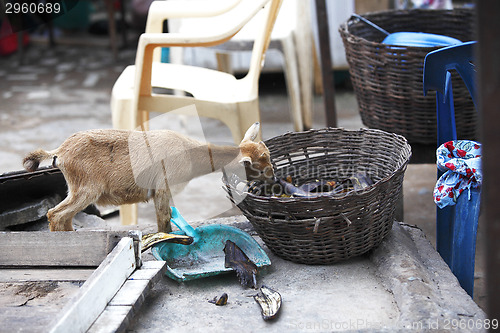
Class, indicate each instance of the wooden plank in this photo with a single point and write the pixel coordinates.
(129, 298)
(153, 264)
(113, 319)
(40, 248)
(45, 274)
(150, 270)
(132, 292)
(98, 290)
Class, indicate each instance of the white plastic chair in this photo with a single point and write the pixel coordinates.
(292, 35)
(215, 94)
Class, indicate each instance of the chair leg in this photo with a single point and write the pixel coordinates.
(444, 230)
(143, 120)
(249, 114)
(444, 233)
(464, 236)
(293, 82)
(306, 92)
(305, 68)
(318, 84)
(128, 214)
(120, 114)
(122, 119)
(456, 237)
(224, 62)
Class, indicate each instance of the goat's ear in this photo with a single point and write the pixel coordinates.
(245, 160)
(252, 132)
(263, 144)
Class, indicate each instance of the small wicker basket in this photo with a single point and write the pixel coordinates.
(328, 229)
(387, 80)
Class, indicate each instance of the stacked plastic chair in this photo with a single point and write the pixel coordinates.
(215, 94)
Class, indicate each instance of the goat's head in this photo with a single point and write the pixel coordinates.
(255, 156)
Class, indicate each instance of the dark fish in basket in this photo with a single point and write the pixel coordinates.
(360, 181)
(291, 189)
(301, 191)
(284, 187)
(318, 186)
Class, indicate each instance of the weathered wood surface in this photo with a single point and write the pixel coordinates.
(113, 319)
(36, 265)
(39, 248)
(98, 290)
(12, 275)
(30, 306)
(122, 308)
(32, 295)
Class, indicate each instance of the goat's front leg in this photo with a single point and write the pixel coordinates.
(163, 211)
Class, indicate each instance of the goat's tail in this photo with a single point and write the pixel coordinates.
(33, 159)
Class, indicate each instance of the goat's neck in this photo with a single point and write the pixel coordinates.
(210, 157)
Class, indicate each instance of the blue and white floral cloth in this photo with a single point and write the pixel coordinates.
(460, 160)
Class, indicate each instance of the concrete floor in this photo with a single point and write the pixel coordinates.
(58, 91)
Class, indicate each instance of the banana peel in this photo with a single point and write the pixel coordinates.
(149, 240)
(269, 301)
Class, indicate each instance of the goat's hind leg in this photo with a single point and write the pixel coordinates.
(61, 216)
(163, 211)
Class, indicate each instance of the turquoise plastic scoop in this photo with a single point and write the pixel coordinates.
(205, 256)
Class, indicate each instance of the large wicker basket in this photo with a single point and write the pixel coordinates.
(388, 80)
(328, 229)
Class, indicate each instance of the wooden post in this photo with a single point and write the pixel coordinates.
(112, 27)
(326, 63)
(489, 99)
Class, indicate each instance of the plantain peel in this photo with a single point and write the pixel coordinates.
(239, 261)
(269, 301)
(149, 240)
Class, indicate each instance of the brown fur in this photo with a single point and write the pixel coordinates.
(98, 169)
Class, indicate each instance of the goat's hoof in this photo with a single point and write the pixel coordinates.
(56, 227)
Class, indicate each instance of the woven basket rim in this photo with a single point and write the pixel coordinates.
(344, 27)
(365, 191)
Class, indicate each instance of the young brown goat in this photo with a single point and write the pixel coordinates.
(115, 167)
